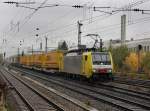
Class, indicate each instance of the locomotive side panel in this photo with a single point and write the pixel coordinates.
(72, 64)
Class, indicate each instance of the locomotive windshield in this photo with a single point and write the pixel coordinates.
(101, 59)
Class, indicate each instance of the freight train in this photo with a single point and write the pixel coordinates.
(76, 63)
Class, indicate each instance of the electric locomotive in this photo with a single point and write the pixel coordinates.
(89, 64)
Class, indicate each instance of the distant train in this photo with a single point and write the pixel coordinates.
(88, 64)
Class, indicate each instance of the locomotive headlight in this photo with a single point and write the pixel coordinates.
(109, 70)
(94, 70)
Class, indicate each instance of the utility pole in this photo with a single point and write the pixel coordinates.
(37, 35)
(110, 44)
(11, 25)
(101, 45)
(18, 54)
(46, 44)
(4, 55)
(22, 53)
(139, 49)
(79, 34)
(32, 49)
(123, 29)
(41, 46)
(18, 23)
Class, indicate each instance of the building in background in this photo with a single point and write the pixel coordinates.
(131, 44)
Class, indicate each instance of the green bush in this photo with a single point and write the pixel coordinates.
(146, 62)
(119, 54)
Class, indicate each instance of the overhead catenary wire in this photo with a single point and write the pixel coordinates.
(12, 19)
(108, 33)
(111, 27)
(107, 28)
(133, 4)
(113, 32)
(27, 18)
(61, 17)
(74, 24)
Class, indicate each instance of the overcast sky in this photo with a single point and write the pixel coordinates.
(60, 23)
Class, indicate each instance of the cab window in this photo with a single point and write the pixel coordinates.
(101, 59)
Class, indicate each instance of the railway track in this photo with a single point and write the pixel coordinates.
(119, 98)
(32, 99)
(19, 103)
(136, 82)
(126, 88)
(36, 100)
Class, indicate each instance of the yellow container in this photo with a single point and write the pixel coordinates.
(27, 60)
(52, 60)
(21, 60)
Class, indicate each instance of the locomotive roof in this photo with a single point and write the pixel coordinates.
(83, 50)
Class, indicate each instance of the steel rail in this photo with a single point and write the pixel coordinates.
(77, 103)
(30, 107)
(125, 100)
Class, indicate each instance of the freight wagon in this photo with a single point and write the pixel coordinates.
(88, 64)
